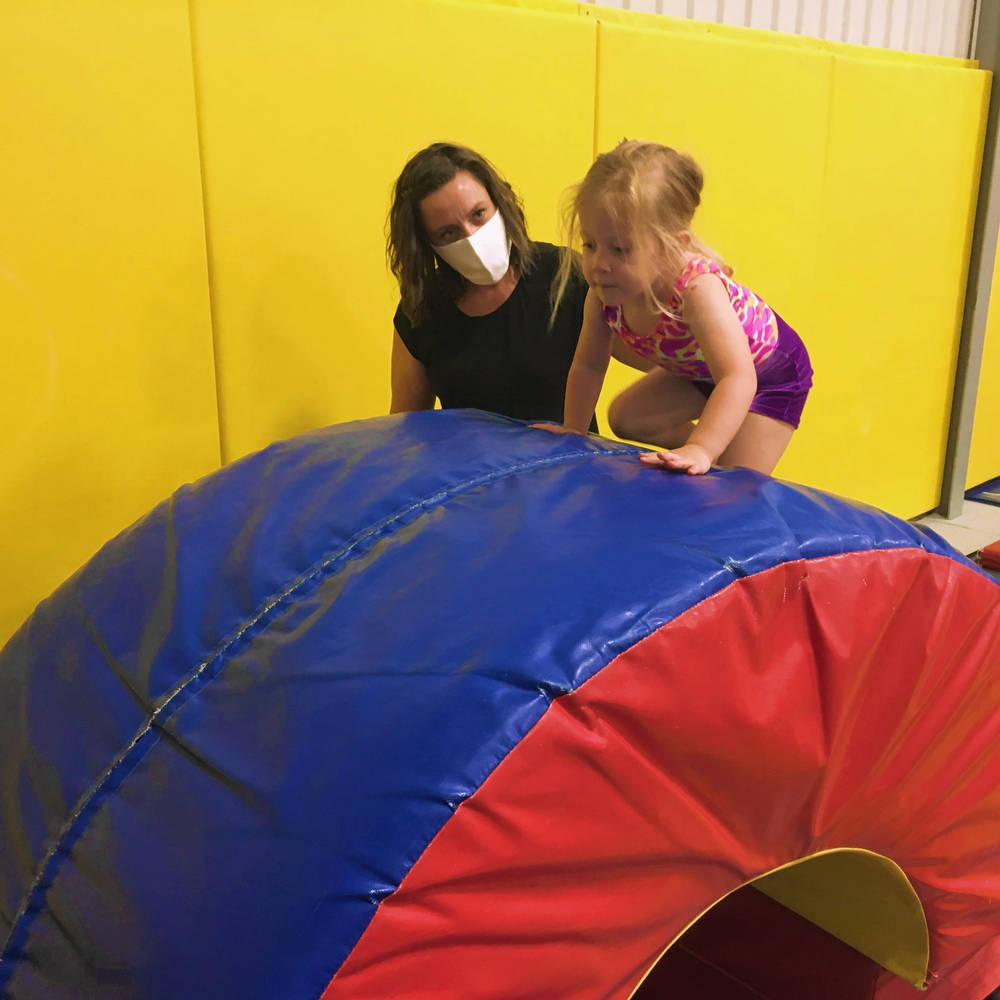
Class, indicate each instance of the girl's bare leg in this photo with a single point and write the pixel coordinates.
(758, 444)
(658, 409)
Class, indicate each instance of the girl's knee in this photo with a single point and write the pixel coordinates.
(666, 431)
(614, 416)
(620, 420)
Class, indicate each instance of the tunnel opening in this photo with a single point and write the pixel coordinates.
(824, 927)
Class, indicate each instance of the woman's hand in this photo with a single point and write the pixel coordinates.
(689, 458)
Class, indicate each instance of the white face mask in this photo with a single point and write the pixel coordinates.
(483, 257)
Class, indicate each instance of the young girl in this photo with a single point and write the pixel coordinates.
(720, 356)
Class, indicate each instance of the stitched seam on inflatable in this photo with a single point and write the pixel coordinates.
(132, 754)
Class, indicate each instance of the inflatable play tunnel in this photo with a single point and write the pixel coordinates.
(443, 706)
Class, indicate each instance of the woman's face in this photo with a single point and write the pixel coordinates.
(456, 209)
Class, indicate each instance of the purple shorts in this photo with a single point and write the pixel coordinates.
(783, 380)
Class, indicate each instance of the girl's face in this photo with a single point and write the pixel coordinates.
(456, 209)
(613, 264)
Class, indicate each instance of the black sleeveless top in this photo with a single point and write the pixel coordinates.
(508, 361)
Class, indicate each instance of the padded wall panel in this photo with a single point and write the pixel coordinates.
(984, 456)
(841, 188)
(309, 111)
(901, 180)
(106, 388)
(755, 118)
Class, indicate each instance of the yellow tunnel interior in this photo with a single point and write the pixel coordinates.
(823, 925)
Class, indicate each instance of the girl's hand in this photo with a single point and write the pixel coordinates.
(689, 458)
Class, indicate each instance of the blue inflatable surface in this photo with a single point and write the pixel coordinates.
(231, 734)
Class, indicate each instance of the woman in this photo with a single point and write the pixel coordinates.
(473, 325)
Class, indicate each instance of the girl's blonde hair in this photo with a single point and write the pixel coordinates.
(650, 190)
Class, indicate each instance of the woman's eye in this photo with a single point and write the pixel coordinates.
(589, 247)
(479, 213)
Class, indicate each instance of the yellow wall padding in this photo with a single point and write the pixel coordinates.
(984, 456)
(166, 226)
(308, 113)
(754, 119)
(842, 189)
(760, 36)
(107, 395)
(902, 178)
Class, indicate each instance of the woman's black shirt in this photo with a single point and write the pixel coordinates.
(508, 361)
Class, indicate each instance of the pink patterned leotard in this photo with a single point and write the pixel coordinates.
(671, 344)
(784, 374)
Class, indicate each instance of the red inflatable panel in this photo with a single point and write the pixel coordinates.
(810, 707)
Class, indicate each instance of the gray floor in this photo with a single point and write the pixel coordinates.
(978, 525)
